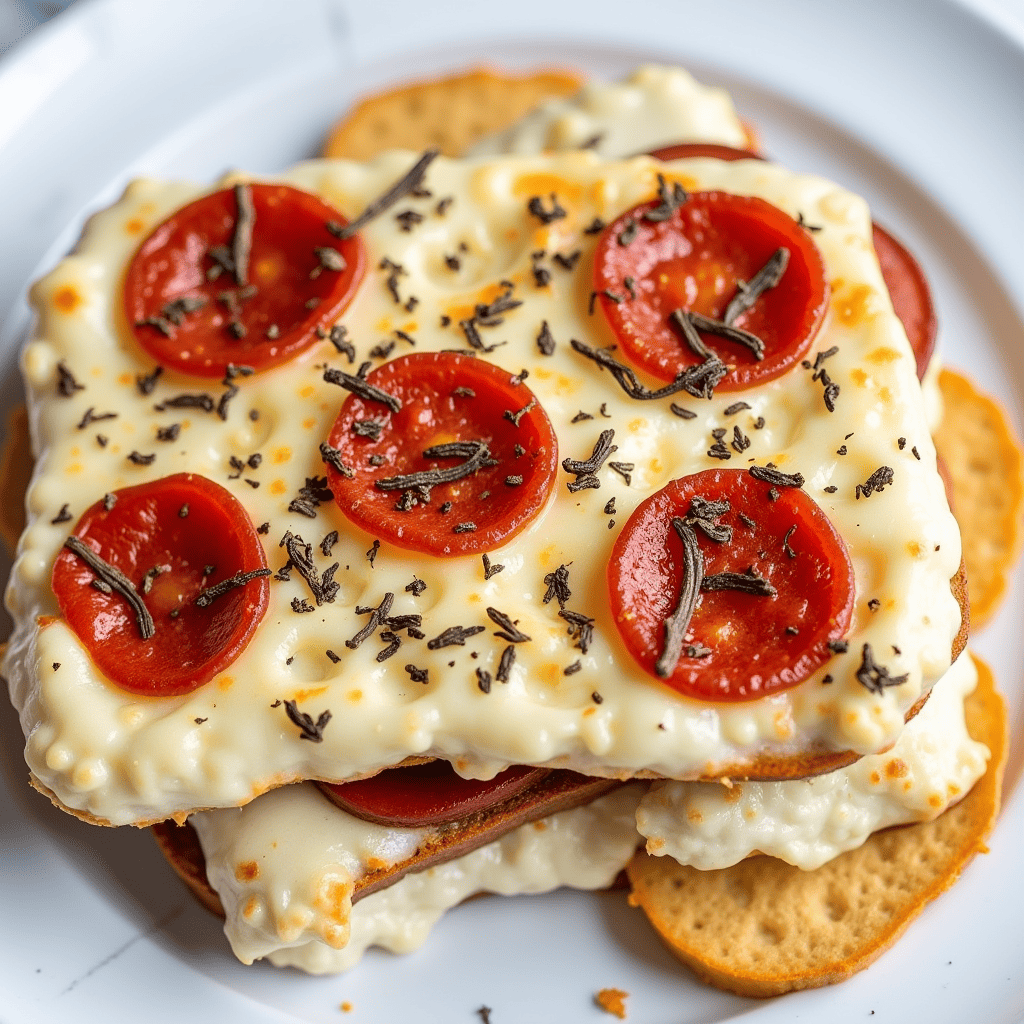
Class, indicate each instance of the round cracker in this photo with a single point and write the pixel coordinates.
(984, 460)
(763, 927)
(448, 113)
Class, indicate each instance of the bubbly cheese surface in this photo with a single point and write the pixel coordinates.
(284, 866)
(654, 106)
(121, 758)
(807, 822)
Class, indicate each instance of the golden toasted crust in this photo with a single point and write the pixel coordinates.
(449, 113)
(763, 927)
(985, 466)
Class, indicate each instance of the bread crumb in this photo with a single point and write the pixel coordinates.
(346, 1007)
(612, 1000)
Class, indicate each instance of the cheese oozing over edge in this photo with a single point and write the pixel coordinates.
(121, 758)
(653, 106)
(807, 822)
(284, 865)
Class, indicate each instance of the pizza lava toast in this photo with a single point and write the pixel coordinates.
(292, 907)
(584, 847)
(203, 681)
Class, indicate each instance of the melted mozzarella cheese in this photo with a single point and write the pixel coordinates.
(809, 821)
(284, 866)
(121, 758)
(654, 106)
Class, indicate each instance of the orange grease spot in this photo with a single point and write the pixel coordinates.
(855, 306)
(543, 184)
(300, 695)
(884, 354)
(67, 299)
(278, 487)
(247, 871)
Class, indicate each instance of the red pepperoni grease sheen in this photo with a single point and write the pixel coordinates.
(751, 652)
(908, 287)
(145, 530)
(190, 311)
(419, 795)
(445, 399)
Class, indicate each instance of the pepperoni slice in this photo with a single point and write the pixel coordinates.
(172, 540)
(244, 276)
(692, 259)
(684, 150)
(416, 796)
(908, 287)
(740, 644)
(911, 296)
(459, 462)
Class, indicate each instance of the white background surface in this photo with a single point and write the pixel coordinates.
(917, 105)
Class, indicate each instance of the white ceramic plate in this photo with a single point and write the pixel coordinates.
(916, 105)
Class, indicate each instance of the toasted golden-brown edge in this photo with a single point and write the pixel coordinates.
(986, 472)
(667, 891)
(449, 113)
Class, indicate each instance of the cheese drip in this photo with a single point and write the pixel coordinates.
(808, 822)
(284, 865)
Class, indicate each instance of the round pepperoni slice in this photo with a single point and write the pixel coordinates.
(725, 262)
(419, 795)
(911, 296)
(164, 583)
(908, 287)
(444, 454)
(729, 587)
(685, 150)
(244, 276)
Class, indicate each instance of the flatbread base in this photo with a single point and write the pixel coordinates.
(763, 927)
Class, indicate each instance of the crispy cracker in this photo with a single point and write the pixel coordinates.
(15, 473)
(977, 444)
(449, 113)
(763, 927)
